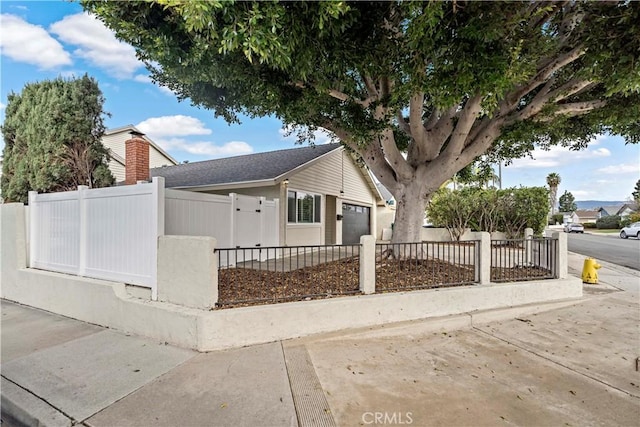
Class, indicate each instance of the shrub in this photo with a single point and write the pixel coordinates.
(557, 219)
(608, 222)
(634, 217)
(511, 210)
(589, 225)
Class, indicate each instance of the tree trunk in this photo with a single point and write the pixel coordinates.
(411, 203)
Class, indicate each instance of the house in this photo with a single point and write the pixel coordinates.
(324, 196)
(114, 140)
(581, 216)
(622, 210)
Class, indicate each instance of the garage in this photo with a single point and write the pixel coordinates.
(355, 223)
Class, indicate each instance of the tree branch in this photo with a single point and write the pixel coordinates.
(416, 105)
(575, 109)
(402, 124)
(463, 127)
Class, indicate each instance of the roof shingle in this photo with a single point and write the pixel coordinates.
(250, 167)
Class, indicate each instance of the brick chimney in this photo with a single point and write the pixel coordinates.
(136, 159)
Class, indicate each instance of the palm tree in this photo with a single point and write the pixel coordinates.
(553, 181)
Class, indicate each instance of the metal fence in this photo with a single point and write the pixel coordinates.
(286, 273)
(520, 260)
(404, 266)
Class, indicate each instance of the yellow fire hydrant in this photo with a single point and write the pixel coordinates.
(590, 271)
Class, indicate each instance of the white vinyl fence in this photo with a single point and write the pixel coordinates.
(234, 220)
(105, 233)
(112, 233)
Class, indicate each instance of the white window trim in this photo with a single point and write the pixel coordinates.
(305, 224)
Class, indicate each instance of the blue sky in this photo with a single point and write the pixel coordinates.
(42, 40)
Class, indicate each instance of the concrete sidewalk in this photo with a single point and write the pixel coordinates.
(566, 363)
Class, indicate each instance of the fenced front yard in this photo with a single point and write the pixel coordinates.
(114, 234)
(296, 273)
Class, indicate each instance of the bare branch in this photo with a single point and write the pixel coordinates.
(545, 70)
(463, 127)
(394, 156)
(416, 105)
(576, 109)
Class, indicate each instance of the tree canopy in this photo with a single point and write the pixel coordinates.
(568, 202)
(52, 132)
(417, 89)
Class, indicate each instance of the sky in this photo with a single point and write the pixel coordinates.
(44, 40)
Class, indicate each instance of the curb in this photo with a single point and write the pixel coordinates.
(22, 408)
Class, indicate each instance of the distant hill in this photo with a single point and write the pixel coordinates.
(595, 204)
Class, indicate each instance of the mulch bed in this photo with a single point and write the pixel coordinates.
(499, 274)
(238, 287)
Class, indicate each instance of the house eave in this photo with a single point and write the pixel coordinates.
(228, 185)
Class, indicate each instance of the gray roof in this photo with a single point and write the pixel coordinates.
(250, 167)
(386, 194)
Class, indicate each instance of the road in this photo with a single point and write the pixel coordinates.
(611, 248)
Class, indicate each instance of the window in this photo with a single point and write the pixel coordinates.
(303, 208)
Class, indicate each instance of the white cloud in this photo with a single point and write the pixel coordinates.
(3, 105)
(206, 148)
(624, 168)
(142, 78)
(97, 44)
(169, 126)
(557, 156)
(25, 42)
(322, 136)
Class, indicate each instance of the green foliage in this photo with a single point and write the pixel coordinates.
(608, 222)
(52, 132)
(568, 202)
(589, 224)
(511, 210)
(557, 219)
(636, 192)
(476, 78)
(453, 210)
(634, 217)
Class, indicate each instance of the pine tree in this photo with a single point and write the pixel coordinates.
(52, 133)
(568, 202)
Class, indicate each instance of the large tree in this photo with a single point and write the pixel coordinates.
(636, 192)
(568, 203)
(417, 89)
(553, 181)
(52, 132)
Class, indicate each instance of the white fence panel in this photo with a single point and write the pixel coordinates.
(107, 233)
(54, 231)
(196, 214)
(234, 220)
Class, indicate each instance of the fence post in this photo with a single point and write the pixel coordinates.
(367, 264)
(561, 258)
(82, 205)
(528, 246)
(158, 197)
(188, 271)
(33, 227)
(483, 258)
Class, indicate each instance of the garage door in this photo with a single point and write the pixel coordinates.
(355, 223)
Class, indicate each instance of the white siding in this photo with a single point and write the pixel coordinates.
(270, 192)
(331, 174)
(116, 142)
(117, 170)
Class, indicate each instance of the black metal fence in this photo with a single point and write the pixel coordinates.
(520, 260)
(405, 266)
(286, 273)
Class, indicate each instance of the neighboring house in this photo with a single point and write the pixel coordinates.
(325, 197)
(114, 141)
(581, 216)
(622, 210)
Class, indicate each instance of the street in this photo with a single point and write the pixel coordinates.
(625, 252)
